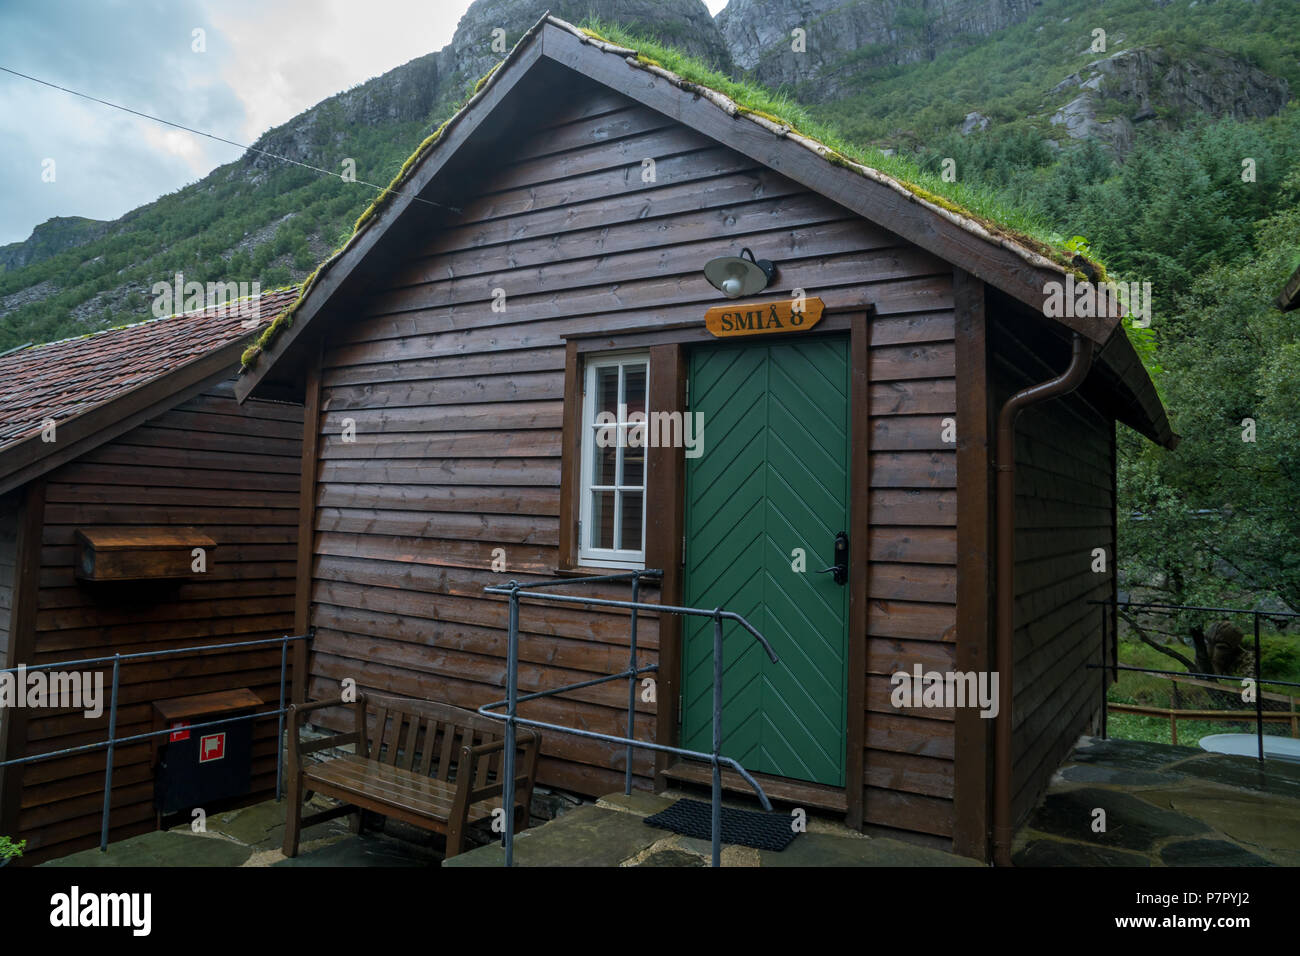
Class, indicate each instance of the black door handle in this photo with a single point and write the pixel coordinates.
(839, 571)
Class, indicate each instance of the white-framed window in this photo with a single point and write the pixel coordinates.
(611, 523)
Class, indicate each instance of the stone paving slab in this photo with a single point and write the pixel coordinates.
(365, 850)
(1165, 806)
(819, 849)
(1117, 776)
(1050, 852)
(1130, 823)
(1248, 818)
(1276, 777)
(162, 848)
(587, 836)
(1209, 853)
(1129, 754)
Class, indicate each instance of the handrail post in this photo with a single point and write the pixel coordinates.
(279, 737)
(716, 823)
(631, 685)
(1104, 629)
(512, 705)
(108, 763)
(1259, 696)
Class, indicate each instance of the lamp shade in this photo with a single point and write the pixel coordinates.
(735, 276)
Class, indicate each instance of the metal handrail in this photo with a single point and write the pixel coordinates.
(1115, 666)
(514, 591)
(113, 740)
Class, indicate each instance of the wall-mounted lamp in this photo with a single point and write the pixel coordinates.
(735, 276)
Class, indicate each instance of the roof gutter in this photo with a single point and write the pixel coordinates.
(1065, 383)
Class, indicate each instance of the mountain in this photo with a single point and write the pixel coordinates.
(840, 38)
(1017, 92)
(49, 239)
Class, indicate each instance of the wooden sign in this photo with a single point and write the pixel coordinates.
(764, 318)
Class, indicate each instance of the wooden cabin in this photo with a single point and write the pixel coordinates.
(133, 437)
(541, 262)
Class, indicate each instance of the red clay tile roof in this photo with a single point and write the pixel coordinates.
(60, 380)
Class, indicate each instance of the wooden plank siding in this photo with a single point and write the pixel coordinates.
(458, 415)
(1065, 507)
(231, 472)
(9, 508)
(912, 580)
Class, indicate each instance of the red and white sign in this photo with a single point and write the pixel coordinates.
(212, 747)
(180, 731)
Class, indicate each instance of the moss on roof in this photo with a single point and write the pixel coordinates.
(784, 116)
(982, 206)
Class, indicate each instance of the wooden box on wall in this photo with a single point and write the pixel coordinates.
(139, 554)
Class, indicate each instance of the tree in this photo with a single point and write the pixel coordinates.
(1216, 519)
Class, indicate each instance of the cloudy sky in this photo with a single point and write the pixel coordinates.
(264, 62)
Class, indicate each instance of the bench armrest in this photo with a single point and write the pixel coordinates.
(525, 769)
(297, 709)
(297, 712)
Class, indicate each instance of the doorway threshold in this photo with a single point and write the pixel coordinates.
(799, 792)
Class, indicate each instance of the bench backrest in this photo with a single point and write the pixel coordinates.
(426, 737)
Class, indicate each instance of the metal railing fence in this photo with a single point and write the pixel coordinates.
(1115, 666)
(112, 741)
(515, 591)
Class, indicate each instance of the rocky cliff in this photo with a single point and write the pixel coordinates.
(840, 37)
(1152, 84)
(49, 239)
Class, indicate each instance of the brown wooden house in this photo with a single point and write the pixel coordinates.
(541, 262)
(133, 437)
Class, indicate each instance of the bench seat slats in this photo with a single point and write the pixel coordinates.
(402, 788)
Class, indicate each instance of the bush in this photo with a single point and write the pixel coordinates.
(9, 850)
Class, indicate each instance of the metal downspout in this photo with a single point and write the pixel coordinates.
(1004, 661)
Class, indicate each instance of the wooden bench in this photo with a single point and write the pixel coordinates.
(431, 765)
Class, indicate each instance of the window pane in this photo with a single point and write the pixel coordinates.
(604, 460)
(631, 530)
(607, 390)
(634, 388)
(602, 519)
(633, 467)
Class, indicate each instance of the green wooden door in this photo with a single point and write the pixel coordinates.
(773, 477)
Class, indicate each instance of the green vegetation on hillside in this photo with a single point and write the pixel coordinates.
(1008, 77)
(219, 229)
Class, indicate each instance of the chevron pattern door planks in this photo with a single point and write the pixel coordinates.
(773, 478)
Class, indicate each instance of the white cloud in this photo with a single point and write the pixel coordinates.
(173, 142)
(263, 65)
(287, 57)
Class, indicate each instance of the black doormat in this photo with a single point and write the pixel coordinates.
(692, 818)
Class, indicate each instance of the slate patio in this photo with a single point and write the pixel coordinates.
(1164, 806)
